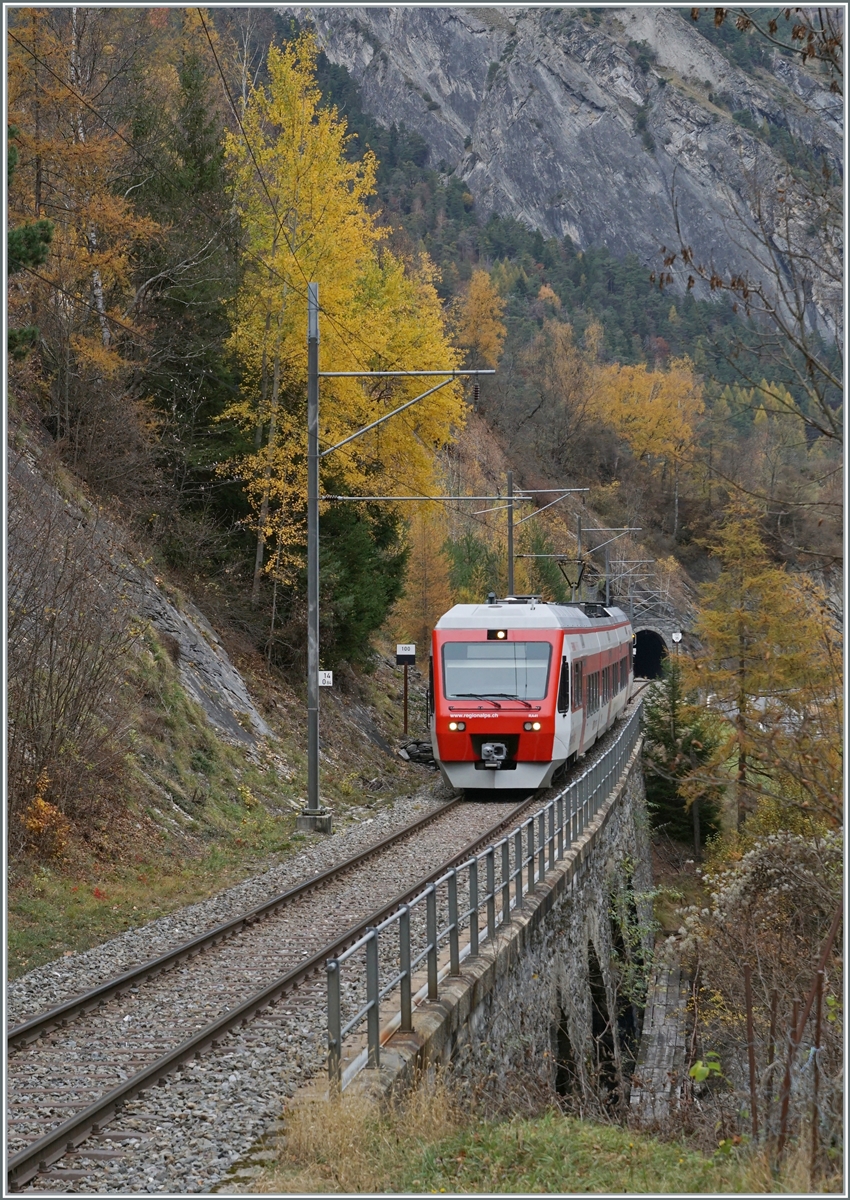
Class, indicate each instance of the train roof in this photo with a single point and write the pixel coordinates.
(529, 612)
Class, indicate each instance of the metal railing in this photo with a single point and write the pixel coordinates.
(455, 903)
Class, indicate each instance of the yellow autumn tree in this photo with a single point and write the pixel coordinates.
(478, 316)
(654, 411)
(303, 207)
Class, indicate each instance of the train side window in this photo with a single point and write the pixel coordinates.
(564, 688)
(593, 692)
(578, 684)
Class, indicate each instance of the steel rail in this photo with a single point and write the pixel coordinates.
(36, 1027)
(577, 805)
(66, 1138)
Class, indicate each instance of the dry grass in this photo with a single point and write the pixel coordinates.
(794, 1177)
(428, 1142)
(351, 1144)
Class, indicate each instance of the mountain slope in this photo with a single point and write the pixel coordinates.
(584, 125)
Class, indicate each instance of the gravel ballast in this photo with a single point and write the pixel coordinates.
(201, 1122)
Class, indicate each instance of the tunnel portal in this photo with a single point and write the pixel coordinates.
(651, 652)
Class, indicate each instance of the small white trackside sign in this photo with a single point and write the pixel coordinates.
(326, 679)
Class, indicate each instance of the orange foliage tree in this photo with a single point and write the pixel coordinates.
(655, 412)
(63, 65)
(478, 316)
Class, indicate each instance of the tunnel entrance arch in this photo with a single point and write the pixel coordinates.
(650, 652)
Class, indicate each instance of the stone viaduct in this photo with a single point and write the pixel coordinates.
(558, 995)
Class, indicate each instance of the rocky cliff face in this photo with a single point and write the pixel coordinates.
(206, 671)
(565, 124)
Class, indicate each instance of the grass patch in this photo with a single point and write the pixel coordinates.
(429, 1143)
(65, 908)
(557, 1153)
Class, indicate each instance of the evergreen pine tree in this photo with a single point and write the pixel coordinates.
(679, 741)
(26, 246)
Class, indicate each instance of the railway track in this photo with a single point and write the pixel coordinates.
(91, 1055)
(234, 1015)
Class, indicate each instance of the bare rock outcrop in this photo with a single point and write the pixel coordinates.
(585, 127)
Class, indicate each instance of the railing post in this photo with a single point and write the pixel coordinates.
(491, 892)
(334, 1027)
(373, 1017)
(473, 908)
(454, 947)
(551, 811)
(530, 887)
(541, 845)
(518, 866)
(559, 822)
(506, 882)
(404, 963)
(431, 934)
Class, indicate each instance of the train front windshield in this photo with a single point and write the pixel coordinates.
(500, 669)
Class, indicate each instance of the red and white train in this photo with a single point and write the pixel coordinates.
(519, 688)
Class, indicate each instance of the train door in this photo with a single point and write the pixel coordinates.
(578, 708)
(561, 748)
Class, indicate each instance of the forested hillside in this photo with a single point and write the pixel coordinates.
(177, 176)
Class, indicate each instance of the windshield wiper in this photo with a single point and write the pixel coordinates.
(501, 695)
(506, 696)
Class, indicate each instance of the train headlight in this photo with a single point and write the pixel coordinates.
(453, 725)
(535, 725)
(529, 725)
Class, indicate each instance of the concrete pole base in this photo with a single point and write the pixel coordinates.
(315, 820)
